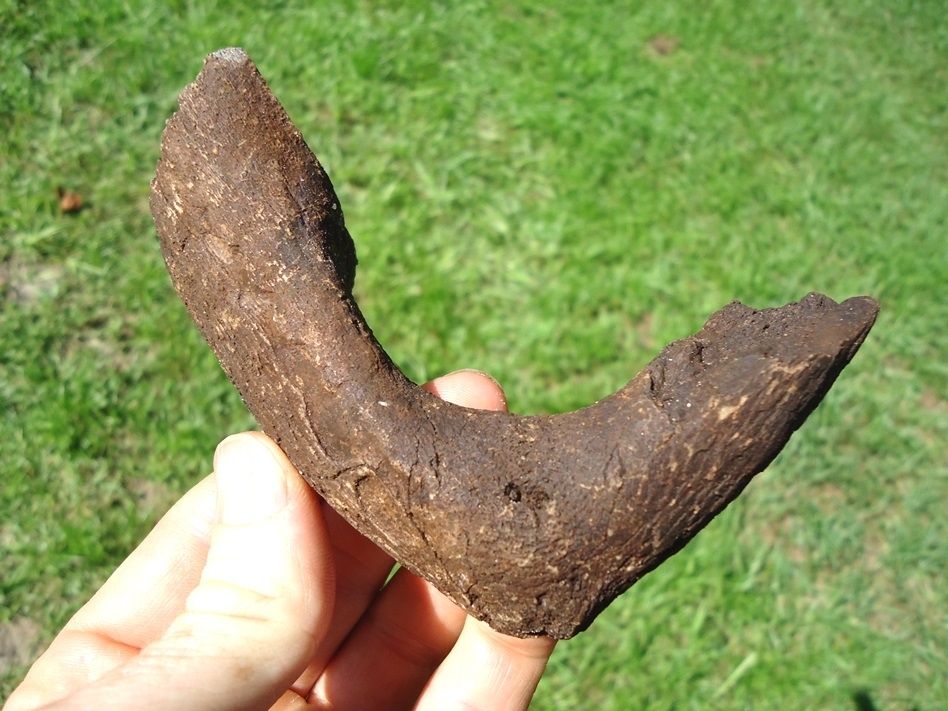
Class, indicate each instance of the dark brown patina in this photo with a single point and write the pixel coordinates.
(531, 523)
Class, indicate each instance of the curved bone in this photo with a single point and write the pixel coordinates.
(533, 524)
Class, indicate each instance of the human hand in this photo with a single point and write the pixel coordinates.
(251, 593)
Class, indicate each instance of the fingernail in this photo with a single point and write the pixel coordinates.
(251, 484)
(458, 387)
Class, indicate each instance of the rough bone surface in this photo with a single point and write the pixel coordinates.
(532, 523)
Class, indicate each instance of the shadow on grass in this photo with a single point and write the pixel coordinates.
(862, 701)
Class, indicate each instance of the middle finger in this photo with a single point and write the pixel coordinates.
(361, 571)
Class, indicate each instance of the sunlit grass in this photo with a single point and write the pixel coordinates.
(550, 192)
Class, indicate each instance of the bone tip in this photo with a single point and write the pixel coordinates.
(858, 312)
(861, 312)
(865, 307)
(230, 55)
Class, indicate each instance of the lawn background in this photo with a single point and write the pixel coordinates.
(549, 191)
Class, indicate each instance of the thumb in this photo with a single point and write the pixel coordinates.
(262, 604)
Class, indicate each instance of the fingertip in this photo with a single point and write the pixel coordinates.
(536, 649)
(487, 669)
(469, 388)
(255, 443)
(251, 480)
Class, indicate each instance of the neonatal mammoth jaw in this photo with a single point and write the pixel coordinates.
(533, 524)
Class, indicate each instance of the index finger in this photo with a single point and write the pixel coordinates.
(133, 608)
(147, 591)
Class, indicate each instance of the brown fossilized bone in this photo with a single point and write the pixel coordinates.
(533, 523)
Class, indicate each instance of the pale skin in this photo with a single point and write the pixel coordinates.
(252, 594)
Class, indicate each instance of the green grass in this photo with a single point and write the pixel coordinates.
(534, 191)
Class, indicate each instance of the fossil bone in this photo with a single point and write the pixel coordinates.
(532, 523)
